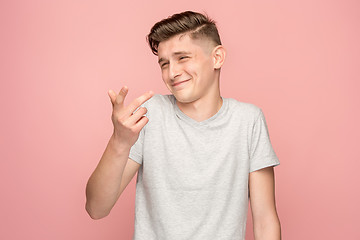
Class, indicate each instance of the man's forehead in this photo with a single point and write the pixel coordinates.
(177, 41)
(180, 44)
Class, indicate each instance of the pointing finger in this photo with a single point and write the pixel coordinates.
(140, 100)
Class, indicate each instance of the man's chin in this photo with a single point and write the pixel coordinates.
(182, 98)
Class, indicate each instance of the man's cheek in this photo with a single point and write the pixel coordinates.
(191, 67)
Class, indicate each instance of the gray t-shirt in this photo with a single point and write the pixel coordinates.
(193, 181)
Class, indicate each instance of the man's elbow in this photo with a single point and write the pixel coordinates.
(95, 214)
(268, 229)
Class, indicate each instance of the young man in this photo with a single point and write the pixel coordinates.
(199, 156)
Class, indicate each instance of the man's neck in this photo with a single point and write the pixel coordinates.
(202, 109)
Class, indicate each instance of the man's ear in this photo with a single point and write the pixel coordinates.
(219, 54)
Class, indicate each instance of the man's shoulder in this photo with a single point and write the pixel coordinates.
(244, 108)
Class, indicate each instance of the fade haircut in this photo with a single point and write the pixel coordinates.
(196, 24)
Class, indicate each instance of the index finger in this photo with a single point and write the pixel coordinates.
(139, 101)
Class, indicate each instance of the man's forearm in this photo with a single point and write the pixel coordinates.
(269, 230)
(102, 189)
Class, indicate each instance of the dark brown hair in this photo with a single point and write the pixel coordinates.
(196, 24)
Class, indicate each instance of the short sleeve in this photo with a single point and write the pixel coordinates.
(262, 153)
(136, 151)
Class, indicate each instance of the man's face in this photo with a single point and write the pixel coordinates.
(187, 67)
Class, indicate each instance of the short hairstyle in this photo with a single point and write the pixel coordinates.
(196, 24)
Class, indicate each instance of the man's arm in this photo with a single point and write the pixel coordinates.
(266, 224)
(109, 180)
(115, 169)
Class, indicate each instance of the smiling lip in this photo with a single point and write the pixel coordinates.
(178, 83)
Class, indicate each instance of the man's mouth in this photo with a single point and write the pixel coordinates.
(178, 83)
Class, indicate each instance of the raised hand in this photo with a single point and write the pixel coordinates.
(127, 124)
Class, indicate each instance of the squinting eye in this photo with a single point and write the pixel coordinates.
(182, 57)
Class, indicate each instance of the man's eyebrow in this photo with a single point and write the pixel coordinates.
(174, 54)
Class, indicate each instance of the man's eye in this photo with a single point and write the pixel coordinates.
(163, 64)
(183, 57)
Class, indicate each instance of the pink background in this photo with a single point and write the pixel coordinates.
(297, 60)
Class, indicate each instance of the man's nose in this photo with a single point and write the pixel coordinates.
(174, 70)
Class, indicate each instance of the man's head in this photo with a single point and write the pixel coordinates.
(189, 49)
(197, 25)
